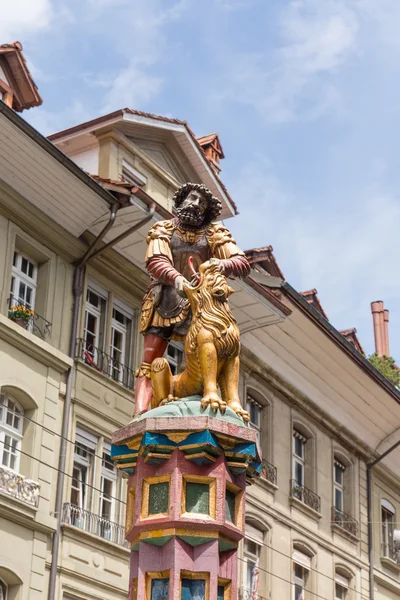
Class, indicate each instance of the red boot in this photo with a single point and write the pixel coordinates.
(154, 347)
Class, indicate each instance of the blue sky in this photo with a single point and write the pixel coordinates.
(305, 97)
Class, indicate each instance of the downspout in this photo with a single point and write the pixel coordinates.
(370, 466)
(77, 290)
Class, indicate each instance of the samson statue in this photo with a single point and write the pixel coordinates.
(177, 248)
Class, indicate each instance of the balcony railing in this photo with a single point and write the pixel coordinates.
(34, 323)
(246, 594)
(344, 521)
(102, 362)
(388, 551)
(17, 486)
(306, 496)
(269, 472)
(92, 523)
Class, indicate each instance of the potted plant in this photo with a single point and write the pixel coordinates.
(20, 315)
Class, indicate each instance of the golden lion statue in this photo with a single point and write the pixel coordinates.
(211, 347)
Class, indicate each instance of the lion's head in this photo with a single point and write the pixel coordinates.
(210, 309)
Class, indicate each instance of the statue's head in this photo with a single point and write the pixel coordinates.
(195, 205)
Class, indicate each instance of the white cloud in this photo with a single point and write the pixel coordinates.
(20, 19)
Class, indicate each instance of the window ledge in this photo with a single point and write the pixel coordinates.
(266, 484)
(96, 539)
(344, 533)
(103, 379)
(390, 564)
(33, 346)
(18, 507)
(304, 508)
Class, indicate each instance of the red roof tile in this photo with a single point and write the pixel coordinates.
(25, 91)
(312, 299)
(264, 259)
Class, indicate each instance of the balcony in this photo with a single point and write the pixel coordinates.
(390, 555)
(344, 521)
(31, 322)
(246, 594)
(103, 363)
(94, 524)
(306, 496)
(18, 487)
(269, 472)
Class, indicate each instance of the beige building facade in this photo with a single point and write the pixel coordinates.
(321, 411)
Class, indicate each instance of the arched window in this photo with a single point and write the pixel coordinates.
(302, 583)
(252, 546)
(303, 467)
(11, 428)
(388, 515)
(3, 590)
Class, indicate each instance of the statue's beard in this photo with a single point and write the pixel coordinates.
(190, 217)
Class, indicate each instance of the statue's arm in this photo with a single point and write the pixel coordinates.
(159, 261)
(160, 268)
(223, 247)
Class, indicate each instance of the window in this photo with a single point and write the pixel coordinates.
(23, 281)
(251, 554)
(301, 571)
(11, 427)
(107, 492)
(3, 590)
(340, 591)
(193, 589)
(94, 329)
(82, 474)
(121, 336)
(132, 175)
(388, 527)
(255, 411)
(338, 485)
(198, 495)
(175, 356)
(299, 443)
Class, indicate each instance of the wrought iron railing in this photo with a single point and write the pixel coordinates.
(92, 523)
(309, 498)
(389, 551)
(269, 472)
(33, 323)
(102, 362)
(246, 594)
(17, 486)
(344, 521)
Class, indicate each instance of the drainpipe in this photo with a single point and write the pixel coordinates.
(370, 466)
(77, 290)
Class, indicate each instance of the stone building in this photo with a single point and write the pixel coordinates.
(74, 212)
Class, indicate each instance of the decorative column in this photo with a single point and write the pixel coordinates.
(187, 473)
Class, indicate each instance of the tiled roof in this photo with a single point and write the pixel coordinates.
(351, 336)
(312, 298)
(26, 93)
(264, 259)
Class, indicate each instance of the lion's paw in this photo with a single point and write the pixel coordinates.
(214, 401)
(167, 400)
(240, 411)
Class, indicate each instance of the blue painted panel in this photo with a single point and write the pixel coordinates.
(193, 589)
(159, 589)
(220, 592)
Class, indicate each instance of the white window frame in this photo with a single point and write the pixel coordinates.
(388, 527)
(254, 536)
(341, 587)
(254, 407)
(100, 314)
(15, 434)
(338, 487)
(300, 562)
(108, 475)
(89, 441)
(20, 277)
(298, 459)
(126, 331)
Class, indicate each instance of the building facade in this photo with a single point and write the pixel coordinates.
(321, 412)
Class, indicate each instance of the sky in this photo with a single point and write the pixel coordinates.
(304, 94)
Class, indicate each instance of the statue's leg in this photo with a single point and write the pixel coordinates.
(161, 380)
(154, 347)
(209, 365)
(230, 387)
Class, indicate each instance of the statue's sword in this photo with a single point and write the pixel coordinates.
(193, 270)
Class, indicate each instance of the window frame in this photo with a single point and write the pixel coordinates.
(126, 331)
(18, 277)
(255, 536)
(387, 531)
(252, 404)
(100, 314)
(338, 487)
(13, 451)
(297, 459)
(172, 361)
(3, 590)
(109, 475)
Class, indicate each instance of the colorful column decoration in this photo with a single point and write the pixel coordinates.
(187, 471)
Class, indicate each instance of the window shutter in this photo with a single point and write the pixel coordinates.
(301, 559)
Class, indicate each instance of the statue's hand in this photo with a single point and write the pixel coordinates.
(180, 283)
(218, 262)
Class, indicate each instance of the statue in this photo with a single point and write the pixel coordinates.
(212, 347)
(168, 304)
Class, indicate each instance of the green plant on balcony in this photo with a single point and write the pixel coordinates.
(20, 314)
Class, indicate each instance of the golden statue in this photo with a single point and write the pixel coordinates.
(211, 348)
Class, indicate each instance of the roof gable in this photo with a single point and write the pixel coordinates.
(20, 91)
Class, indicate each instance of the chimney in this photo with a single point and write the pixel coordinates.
(386, 349)
(381, 328)
(212, 149)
